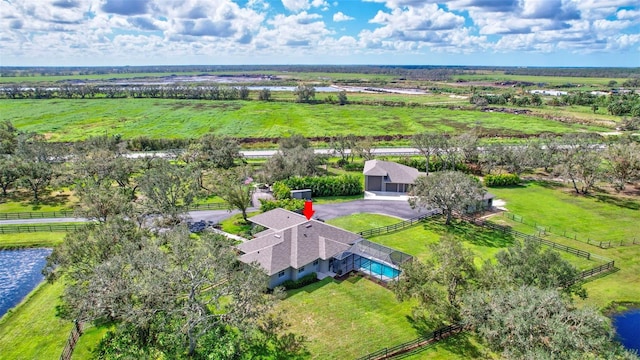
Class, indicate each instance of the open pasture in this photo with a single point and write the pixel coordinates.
(319, 77)
(599, 216)
(550, 81)
(72, 120)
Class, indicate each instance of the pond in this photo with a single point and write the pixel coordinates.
(292, 88)
(627, 325)
(20, 272)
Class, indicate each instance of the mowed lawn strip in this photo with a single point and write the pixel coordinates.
(348, 319)
(32, 330)
(363, 221)
(75, 119)
(30, 240)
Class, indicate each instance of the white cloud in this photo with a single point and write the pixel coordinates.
(296, 5)
(300, 5)
(606, 25)
(339, 16)
(428, 17)
(107, 30)
(628, 14)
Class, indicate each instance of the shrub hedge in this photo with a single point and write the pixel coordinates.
(288, 204)
(354, 166)
(281, 191)
(302, 282)
(501, 180)
(343, 185)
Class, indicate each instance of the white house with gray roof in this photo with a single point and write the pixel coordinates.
(293, 246)
(387, 176)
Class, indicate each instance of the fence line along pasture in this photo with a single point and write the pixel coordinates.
(407, 347)
(13, 229)
(76, 331)
(36, 215)
(437, 335)
(397, 226)
(70, 213)
(541, 229)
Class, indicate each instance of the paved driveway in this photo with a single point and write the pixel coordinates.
(399, 209)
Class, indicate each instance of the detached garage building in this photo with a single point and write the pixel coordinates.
(387, 176)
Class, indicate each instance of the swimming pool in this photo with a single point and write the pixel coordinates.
(377, 269)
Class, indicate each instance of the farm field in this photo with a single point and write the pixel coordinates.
(549, 80)
(72, 120)
(284, 75)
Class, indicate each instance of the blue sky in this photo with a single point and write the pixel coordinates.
(425, 32)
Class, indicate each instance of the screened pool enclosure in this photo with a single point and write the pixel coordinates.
(373, 259)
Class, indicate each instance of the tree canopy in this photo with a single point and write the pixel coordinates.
(169, 295)
(532, 323)
(448, 191)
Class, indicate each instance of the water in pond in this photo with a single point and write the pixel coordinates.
(292, 88)
(627, 325)
(20, 272)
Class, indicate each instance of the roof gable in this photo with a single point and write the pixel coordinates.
(278, 219)
(396, 173)
(296, 245)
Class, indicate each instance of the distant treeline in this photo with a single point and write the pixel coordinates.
(576, 72)
(426, 72)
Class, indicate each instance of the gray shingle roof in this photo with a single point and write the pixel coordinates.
(397, 173)
(297, 245)
(278, 219)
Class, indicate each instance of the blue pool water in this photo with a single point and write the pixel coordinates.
(376, 268)
(627, 325)
(20, 272)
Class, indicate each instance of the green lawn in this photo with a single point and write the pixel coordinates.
(347, 319)
(598, 216)
(71, 120)
(33, 239)
(363, 221)
(32, 330)
(53, 200)
(336, 199)
(415, 240)
(236, 225)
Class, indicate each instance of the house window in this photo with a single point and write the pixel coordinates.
(281, 274)
(301, 270)
(315, 262)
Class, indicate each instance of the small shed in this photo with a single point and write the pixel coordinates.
(304, 194)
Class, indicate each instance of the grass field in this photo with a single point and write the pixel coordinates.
(71, 120)
(306, 76)
(550, 80)
(32, 330)
(50, 200)
(348, 319)
(351, 318)
(33, 239)
(601, 218)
